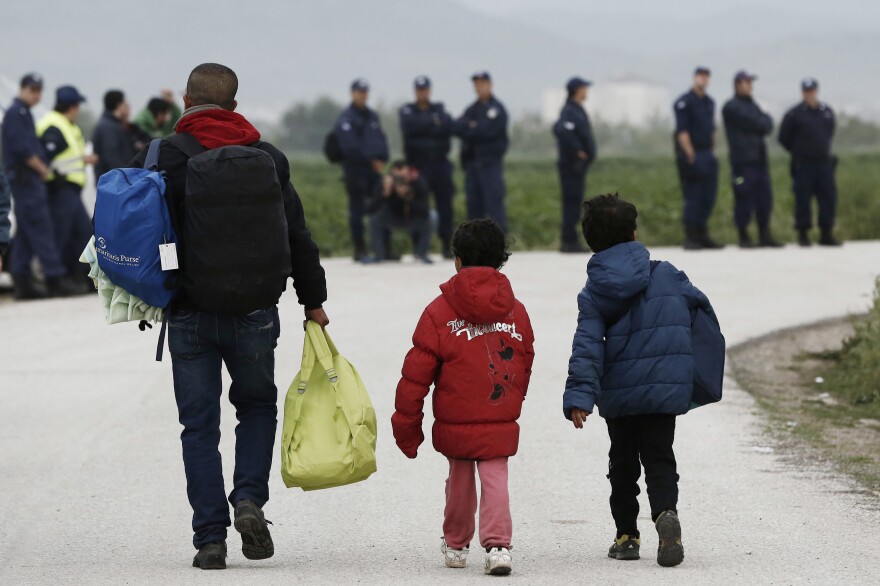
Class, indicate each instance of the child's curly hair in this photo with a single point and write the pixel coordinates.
(481, 243)
(608, 220)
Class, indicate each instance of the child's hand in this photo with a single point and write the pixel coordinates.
(578, 417)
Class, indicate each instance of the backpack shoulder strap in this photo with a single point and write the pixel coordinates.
(152, 160)
(187, 144)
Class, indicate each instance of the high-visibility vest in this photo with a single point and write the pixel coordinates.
(69, 162)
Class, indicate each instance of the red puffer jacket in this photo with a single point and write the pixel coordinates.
(475, 344)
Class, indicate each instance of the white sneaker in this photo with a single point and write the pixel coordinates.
(498, 561)
(454, 558)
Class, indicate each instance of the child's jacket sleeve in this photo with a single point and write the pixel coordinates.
(587, 360)
(419, 371)
(529, 340)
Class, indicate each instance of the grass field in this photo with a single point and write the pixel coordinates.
(652, 184)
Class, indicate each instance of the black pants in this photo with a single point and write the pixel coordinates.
(699, 183)
(647, 438)
(438, 174)
(572, 178)
(814, 178)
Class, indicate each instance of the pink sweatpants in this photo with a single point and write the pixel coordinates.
(496, 527)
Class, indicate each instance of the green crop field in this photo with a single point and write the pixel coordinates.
(652, 184)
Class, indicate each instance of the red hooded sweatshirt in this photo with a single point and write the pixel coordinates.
(216, 127)
(474, 343)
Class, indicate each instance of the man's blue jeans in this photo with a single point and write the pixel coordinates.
(200, 343)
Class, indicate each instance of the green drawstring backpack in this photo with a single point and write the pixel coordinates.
(329, 434)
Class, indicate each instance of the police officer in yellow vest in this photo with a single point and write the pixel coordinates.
(66, 152)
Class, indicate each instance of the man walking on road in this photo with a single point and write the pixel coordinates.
(483, 133)
(427, 133)
(806, 132)
(697, 164)
(747, 125)
(213, 143)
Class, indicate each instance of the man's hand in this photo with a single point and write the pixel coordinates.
(90, 159)
(387, 185)
(582, 155)
(579, 417)
(318, 316)
(378, 165)
(472, 124)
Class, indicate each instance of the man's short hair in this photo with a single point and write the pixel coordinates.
(607, 221)
(399, 164)
(112, 99)
(481, 243)
(212, 83)
(158, 106)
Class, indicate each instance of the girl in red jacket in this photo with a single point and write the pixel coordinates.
(474, 343)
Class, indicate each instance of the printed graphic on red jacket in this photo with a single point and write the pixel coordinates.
(474, 344)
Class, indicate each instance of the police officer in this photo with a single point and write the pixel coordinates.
(746, 126)
(427, 132)
(806, 132)
(577, 151)
(26, 169)
(483, 132)
(364, 151)
(65, 149)
(695, 156)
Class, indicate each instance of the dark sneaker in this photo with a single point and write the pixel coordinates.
(625, 547)
(24, 288)
(766, 240)
(211, 556)
(747, 243)
(692, 244)
(256, 542)
(670, 552)
(709, 244)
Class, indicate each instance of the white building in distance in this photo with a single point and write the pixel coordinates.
(624, 100)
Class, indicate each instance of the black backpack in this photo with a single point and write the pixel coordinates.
(236, 248)
(332, 150)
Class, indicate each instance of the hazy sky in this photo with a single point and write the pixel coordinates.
(861, 12)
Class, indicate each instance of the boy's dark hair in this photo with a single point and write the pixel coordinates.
(158, 106)
(212, 83)
(481, 243)
(607, 221)
(112, 99)
(399, 164)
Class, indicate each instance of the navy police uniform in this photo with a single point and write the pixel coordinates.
(483, 132)
(427, 134)
(746, 126)
(34, 232)
(695, 115)
(574, 135)
(361, 141)
(806, 132)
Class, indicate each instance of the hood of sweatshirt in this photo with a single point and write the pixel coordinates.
(480, 295)
(620, 272)
(216, 127)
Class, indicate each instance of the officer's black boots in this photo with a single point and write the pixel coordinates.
(827, 238)
(804, 237)
(766, 240)
(447, 250)
(24, 288)
(692, 240)
(61, 287)
(707, 241)
(360, 250)
(745, 241)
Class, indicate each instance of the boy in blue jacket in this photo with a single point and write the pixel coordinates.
(632, 357)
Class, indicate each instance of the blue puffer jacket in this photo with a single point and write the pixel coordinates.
(632, 349)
